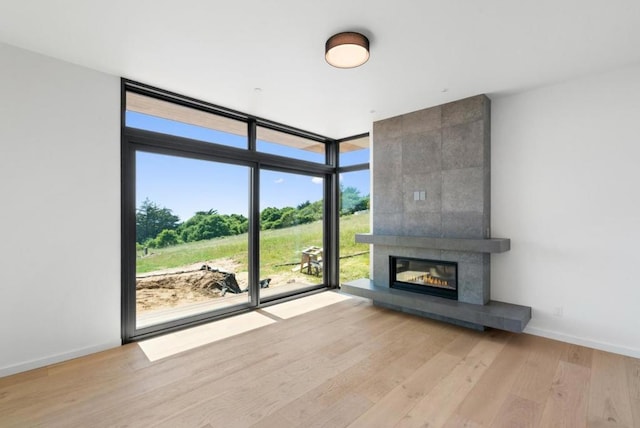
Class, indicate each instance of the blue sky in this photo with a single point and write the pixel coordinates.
(188, 185)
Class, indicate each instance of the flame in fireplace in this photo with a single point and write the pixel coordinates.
(430, 280)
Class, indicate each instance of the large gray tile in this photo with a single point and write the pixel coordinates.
(422, 153)
(470, 225)
(431, 184)
(387, 196)
(388, 128)
(384, 194)
(486, 270)
(380, 267)
(387, 223)
(387, 164)
(422, 120)
(465, 110)
(463, 146)
(487, 140)
(463, 190)
(471, 287)
(387, 156)
(422, 224)
(486, 211)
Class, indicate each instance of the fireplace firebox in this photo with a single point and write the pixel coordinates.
(435, 277)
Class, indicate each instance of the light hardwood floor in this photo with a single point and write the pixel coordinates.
(348, 364)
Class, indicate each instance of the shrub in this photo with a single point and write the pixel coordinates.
(166, 238)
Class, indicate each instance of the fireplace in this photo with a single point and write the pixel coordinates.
(435, 277)
(443, 152)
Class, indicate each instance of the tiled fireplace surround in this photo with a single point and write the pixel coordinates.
(445, 152)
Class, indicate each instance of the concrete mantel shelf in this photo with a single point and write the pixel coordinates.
(492, 245)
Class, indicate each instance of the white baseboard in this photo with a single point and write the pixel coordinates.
(41, 362)
(603, 346)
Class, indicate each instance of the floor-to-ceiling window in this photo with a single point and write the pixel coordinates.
(354, 214)
(221, 211)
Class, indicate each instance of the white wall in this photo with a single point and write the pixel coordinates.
(59, 210)
(566, 190)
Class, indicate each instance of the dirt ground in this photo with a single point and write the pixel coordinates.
(189, 284)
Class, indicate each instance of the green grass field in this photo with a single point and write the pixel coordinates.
(278, 249)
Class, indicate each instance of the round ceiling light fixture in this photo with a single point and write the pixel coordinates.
(347, 50)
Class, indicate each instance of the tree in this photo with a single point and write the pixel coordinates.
(349, 199)
(303, 205)
(209, 224)
(363, 205)
(269, 218)
(152, 219)
(310, 212)
(238, 223)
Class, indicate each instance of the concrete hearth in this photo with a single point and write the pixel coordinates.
(503, 316)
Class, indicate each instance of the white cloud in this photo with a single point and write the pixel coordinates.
(317, 180)
(279, 180)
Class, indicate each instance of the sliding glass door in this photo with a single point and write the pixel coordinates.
(291, 233)
(192, 241)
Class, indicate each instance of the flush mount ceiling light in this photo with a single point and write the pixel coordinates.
(347, 50)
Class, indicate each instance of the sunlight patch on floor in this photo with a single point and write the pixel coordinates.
(184, 340)
(301, 306)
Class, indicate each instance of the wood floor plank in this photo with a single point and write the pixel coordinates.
(298, 307)
(483, 402)
(633, 380)
(633, 376)
(567, 403)
(534, 379)
(458, 421)
(518, 412)
(391, 408)
(435, 408)
(463, 344)
(171, 344)
(341, 413)
(402, 365)
(24, 377)
(580, 355)
(610, 401)
(350, 363)
(635, 411)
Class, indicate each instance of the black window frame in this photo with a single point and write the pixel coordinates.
(133, 140)
(365, 166)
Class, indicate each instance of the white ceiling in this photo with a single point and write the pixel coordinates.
(423, 52)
